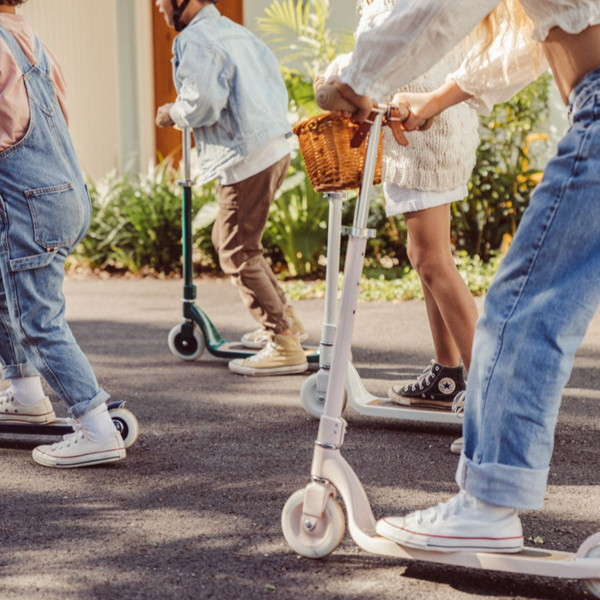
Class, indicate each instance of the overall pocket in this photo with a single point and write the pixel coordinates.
(56, 215)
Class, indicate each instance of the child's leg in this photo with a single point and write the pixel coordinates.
(36, 306)
(35, 338)
(25, 400)
(429, 232)
(258, 338)
(446, 352)
(243, 213)
(269, 273)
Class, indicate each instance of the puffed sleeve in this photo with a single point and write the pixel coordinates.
(338, 64)
(509, 64)
(417, 35)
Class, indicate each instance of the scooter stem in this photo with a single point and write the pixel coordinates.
(189, 289)
(332, 426)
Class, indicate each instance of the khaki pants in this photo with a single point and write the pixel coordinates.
(237, 233)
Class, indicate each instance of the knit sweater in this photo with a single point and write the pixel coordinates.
(441, 158)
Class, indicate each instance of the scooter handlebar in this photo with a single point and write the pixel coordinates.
(328, 97)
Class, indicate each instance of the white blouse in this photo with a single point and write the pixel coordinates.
(509, 64)
(420, 32)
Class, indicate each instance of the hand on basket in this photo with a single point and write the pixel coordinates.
(421, 106)
(363, 104)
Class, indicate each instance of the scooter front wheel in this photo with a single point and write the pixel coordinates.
(126, 424)
(320, 540)
(188, 349)
(593, 585)
(312, 401)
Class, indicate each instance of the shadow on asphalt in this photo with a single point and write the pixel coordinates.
(194, 511)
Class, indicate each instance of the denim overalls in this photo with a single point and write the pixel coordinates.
(45, 212)
(536, 314)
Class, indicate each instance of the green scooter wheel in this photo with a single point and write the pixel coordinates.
(185, 347)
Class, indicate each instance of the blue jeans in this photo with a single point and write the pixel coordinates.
(45, 211)
(536, 314)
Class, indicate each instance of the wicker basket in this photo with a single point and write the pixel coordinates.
(331, 163)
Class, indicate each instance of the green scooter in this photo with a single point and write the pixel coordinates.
(189, 340)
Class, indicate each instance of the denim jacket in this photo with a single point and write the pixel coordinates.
(229, 91)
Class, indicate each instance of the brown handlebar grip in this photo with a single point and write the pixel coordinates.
(328, 97)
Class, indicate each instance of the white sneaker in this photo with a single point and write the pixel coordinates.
(259, 338)
(256, 339)
(77, 450)
(464, 523)
(11, 410)
(457, 446)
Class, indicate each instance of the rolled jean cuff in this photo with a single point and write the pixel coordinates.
(85, 406)
(503, 485)
(19, 371)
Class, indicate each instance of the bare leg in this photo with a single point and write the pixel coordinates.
(447, 297)
(446, 352)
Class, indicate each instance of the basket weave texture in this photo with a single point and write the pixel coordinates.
(332, 165)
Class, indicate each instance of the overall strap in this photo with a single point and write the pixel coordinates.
(16, 50)
(43, 64)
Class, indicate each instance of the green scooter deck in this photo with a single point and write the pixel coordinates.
(221, 348)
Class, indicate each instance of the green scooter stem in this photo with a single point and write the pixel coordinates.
(192, 315)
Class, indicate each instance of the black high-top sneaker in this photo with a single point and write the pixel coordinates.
(436, 387)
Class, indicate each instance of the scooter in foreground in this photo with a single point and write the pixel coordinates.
(313, 522)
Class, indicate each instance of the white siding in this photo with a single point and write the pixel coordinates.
(84, 36)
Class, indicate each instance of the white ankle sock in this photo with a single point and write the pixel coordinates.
(97, 423)
(27, 390)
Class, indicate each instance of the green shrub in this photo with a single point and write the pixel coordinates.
(502, 181)
(297, 227)
(401, 283)
(136, 223)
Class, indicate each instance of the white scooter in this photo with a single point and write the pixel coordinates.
(314, 388)
(312, 520)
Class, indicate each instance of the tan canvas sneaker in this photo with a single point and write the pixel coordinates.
(282, 355)
(260, 337)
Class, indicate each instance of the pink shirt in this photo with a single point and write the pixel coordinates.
(14, 104)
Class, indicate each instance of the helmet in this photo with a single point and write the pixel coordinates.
(178, 11)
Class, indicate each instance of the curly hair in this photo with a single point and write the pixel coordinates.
(12, 2)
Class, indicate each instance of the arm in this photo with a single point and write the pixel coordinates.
(482, 81)
(424, 106)
(204, 87)
(415, 37)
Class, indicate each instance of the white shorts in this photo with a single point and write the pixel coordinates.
(401, 200)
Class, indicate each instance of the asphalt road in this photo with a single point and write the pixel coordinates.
(194, 510)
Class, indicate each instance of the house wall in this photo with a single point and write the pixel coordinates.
(107, 58)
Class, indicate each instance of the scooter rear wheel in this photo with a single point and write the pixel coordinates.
(312, 401)
(593, 585)
(186, 349)
(127, 425)
(323, 538)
